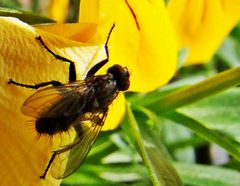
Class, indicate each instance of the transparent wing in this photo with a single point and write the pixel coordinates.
(86, 133)
(43, 100)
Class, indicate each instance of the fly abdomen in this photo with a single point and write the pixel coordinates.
(54, 125)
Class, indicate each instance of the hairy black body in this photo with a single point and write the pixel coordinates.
(93, 95)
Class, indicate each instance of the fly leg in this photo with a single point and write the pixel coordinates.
(88, 118)
(53, 83)
(49, 164)
(99, 65)
(72, 69)
(81, 128)
(80, 132)
(71, 76)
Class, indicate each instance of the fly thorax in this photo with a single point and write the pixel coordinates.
(105, 91)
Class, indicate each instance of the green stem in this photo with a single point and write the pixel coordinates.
(153, 152)
(137, 135)
(212, 85)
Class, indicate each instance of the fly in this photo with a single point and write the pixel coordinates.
(81, 105)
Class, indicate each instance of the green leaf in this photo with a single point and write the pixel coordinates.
(228, 52)
(182, 55)
(10, 4)
(201, 175)
(28, 17)
(226, 142)
(179, 146)
(108, 174)
(220, 112)
(184, 96)
(153, 153)
(192, 141)
(152, 97)
(236, 33)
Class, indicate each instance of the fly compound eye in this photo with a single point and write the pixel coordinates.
(121, 75)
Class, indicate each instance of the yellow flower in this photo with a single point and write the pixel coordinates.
(142, 40)
(202, 25)
(25, 60)
(58, 10)
(22, 155)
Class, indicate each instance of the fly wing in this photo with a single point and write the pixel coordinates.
(57, 98)
(87, 132)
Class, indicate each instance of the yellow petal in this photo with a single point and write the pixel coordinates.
(157, 55)
(84, 55)
(58, 10)
(24, 156)
(115, 113)
(202, 25)
(25, 60)
(142, 39)
(73, 31)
